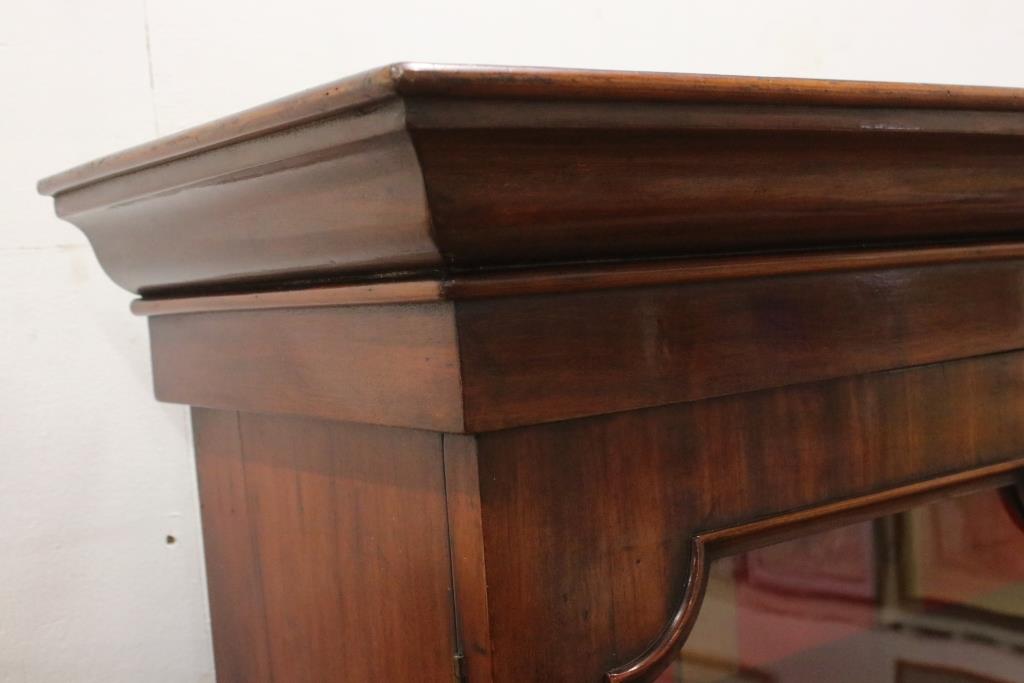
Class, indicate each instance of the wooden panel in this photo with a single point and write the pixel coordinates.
(376, 364)
(339, 197)
(469, 570)
(365, 89)
(541, 358)
(241, 645)
(521, 196)
(427, 169)
(587, 523)
(526, 359)
(333, 541)
(796, 526)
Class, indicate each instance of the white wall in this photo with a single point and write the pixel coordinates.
(94, 475)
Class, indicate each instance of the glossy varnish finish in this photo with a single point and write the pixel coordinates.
(644, 347)
(469, 563)
(305, 204)
(361, 363)
(588, 278)
(494, 363)
(587, 524)
(487, 360)
(588, 194)
(326, 550)
(707, 546)
(420, 168)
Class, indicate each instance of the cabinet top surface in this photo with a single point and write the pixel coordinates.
(467, 82)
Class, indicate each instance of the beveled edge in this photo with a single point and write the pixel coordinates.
(364, 89)
(508, 82)
(520, 82)
(537, 281)
(711, 545)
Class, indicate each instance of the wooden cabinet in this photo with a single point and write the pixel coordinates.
(497, 372)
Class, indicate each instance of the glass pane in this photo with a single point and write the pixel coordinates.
(934, 595)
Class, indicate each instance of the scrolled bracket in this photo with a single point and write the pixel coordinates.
(711, 545)
(1013, 500)
(651, 663)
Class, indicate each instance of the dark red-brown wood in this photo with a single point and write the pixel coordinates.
(587, 524)
(488, 362)
(494, 363)
(422, 168)
(326, 549)
(360, 363)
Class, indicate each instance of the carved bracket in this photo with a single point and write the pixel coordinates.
(1013, 500)
(711, 545)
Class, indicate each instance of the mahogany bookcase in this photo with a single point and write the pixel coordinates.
(487, 365)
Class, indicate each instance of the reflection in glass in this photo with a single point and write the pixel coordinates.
(933, 595)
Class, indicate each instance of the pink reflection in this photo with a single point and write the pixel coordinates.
(935, 594)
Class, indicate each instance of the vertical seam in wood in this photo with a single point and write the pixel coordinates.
(453, 550)
(456, 621)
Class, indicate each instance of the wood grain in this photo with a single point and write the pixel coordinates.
(328, 550)
(362, 363)
(238, 616)
(541, 358)
(711, 545)
(486, 364)
(469, 567)
(630, 274)
(340, 197)
(479, 352)
(529, 196)
(363, 89)
(587, 523)
(426, 170)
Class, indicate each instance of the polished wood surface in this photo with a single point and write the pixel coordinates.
(375, 85)
(336, 197)
(502, 197)
(939, 585)
(588, 524)
(495, 363)
(469, 563)
(424, 169)
(719, 543)
(233, 575)
(585, 278)
(326, 550)
(533, 359)
(486, 362)
(392, 292)
(360, 363)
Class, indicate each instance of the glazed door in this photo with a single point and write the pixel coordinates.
(931, 595)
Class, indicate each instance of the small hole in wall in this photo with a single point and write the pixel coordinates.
(171, 540)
